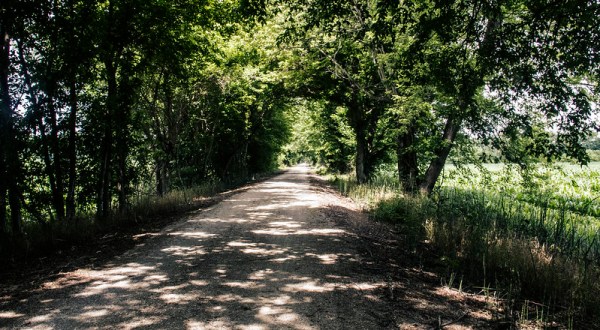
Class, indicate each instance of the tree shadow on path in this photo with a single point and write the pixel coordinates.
(267, 258)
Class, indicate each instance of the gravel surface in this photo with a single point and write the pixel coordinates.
(280, 255)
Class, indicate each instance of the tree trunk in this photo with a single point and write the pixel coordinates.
(39, 121)
(58, 192)
(122, 120)
(45, 150)
(164, 137)
(106, 149)
(362, 146)
(72, 150)
(441, 154)
(408, 167)
(3, 175)
(162, 177)
(361, 156)
(8, 134)
(4, 118)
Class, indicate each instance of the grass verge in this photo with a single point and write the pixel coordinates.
(541, 262)
(146, 212)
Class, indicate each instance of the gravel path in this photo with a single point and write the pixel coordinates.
(283, 254)
(267, 258)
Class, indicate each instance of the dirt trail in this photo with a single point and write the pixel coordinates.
(268, 258)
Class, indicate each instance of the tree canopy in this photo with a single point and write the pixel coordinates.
(102, 101)
(500, 71)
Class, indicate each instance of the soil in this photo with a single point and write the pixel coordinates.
(285, 253)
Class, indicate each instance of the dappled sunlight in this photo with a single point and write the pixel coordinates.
(194, 234)
(284, 259)
(259, 215)
(140, 322)
(178, 298)
(244, 285)
(252, 327)
(263, 252)
(10, 315)
(95, 313)
(99, 287)
(261, 274)
(266, 259)
(286, 224)
(301, 202)
(208, 325)
(183, 251)
(155, 279)
(282, 316)
(234, 298)
(310, 286)
(285, 232)
(257, 248)
(241, 243)
(225, 221)
(198, 282)
(326, 259)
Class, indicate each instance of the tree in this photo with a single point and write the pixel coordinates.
(444, 60)
(343, 38)
(82, 80)
(10, 160)
(512, 51)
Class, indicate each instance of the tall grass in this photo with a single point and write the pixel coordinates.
(536, 235)
(145, 209)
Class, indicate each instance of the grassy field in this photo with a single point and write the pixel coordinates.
(533, 236)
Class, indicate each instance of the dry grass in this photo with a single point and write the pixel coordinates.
(535, 262)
